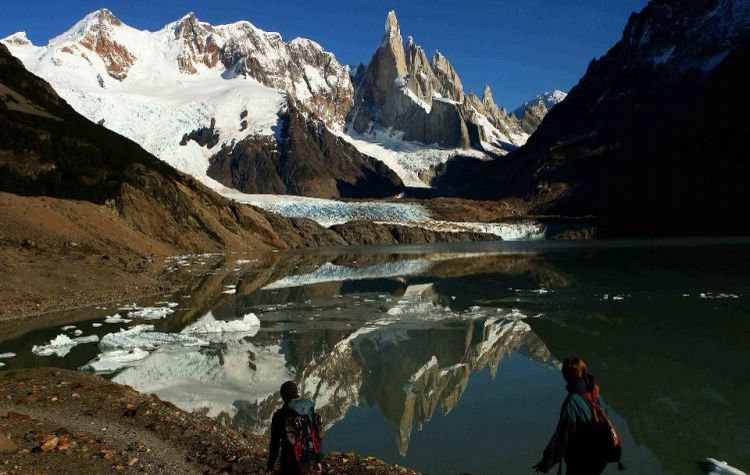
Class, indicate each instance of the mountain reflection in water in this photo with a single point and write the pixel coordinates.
(444, 358)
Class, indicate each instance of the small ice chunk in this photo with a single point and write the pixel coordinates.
(113, 360)
(116, 318)
(230, 291)
(4, 356)
(474, 308)
(61, 345)
(78, 332)
(68, 328)
(96, 325)
(150, 313)
(209, 324)
(2, 364)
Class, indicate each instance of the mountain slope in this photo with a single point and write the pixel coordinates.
(47, 149)
(191, 78)
(647, 141)
(86, 214)
(304, 158)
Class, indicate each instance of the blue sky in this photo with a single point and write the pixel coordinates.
(519, 47)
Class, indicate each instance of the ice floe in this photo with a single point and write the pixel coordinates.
(61, 345)
(150, 313)
(116, 318)
(114, 360)
(4, 356)
(208, 324)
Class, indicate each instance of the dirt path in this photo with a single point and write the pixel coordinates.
(55, 421)
(107, 444)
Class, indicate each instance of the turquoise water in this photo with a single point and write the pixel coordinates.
(444, 358)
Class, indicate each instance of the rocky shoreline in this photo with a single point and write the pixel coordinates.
(61, 421)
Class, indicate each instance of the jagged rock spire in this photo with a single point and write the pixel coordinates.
(449, 83)
(487, 95)
(393, 45)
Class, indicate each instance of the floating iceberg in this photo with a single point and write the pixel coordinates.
(208, 324)
(61, 345)
(150, 313)
(116, 318)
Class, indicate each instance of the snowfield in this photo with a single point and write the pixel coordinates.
(413, 162)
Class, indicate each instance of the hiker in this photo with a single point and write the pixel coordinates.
(585, 437)
(297, 431)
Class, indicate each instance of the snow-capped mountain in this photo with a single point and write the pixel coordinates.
(238, 107)
(531, 113)
(191, 90)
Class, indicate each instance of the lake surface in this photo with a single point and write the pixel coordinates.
(445, 358)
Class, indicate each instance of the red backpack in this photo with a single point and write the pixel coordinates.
(305, 430)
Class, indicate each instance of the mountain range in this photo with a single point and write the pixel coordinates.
(236, 106)
(645, 143)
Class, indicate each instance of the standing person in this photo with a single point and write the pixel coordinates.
(296, 431)
(585, 437)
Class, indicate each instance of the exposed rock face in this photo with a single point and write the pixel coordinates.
(305, 159)
(205, 136)
(98, 39)
(198, 44)
(358, 74)
(300, 67)
(532, 117)
(424, 99)
(645, 142)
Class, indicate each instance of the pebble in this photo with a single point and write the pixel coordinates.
(7, 446)
(50, 444)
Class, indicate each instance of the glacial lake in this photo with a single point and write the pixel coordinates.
(445, 358)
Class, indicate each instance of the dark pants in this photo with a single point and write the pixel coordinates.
(584, 467)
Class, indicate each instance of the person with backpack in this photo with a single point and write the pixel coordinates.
(297, 432)
(585, 437)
